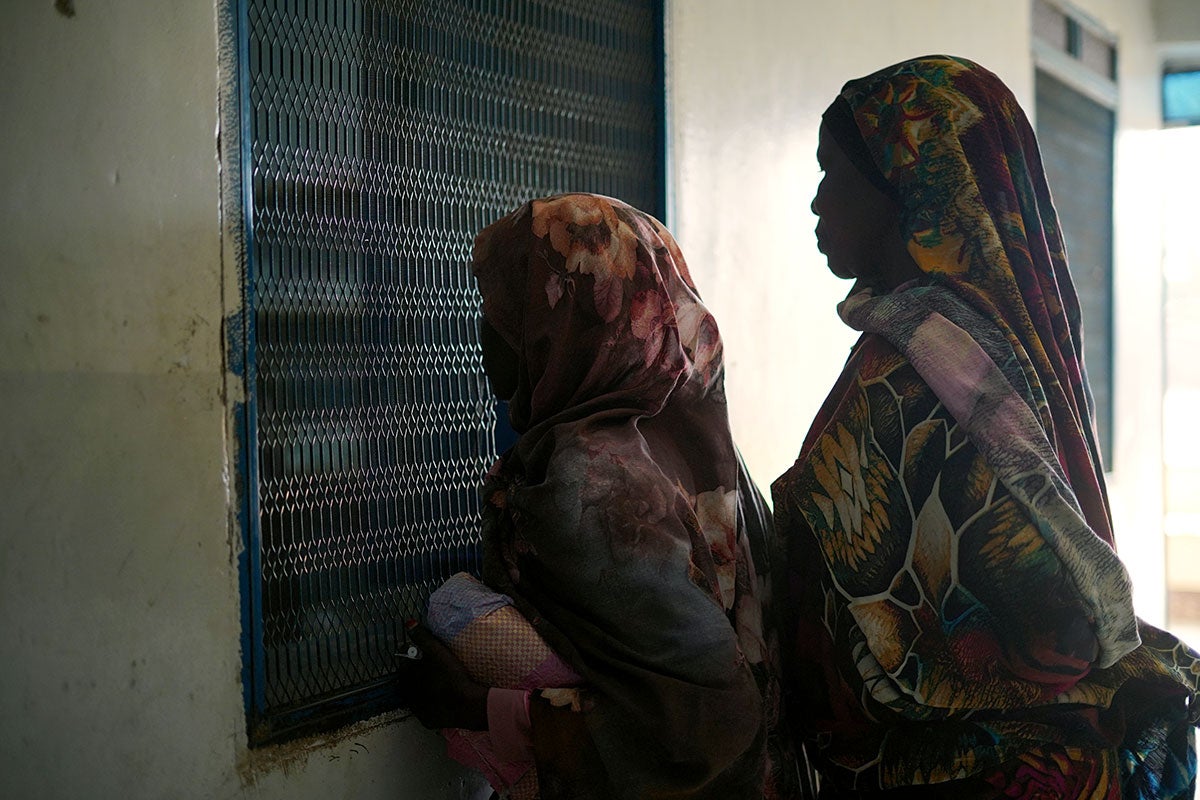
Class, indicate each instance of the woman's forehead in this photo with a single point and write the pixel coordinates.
(823, 144)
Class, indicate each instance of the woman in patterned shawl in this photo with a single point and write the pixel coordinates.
(622, 523)
(962, 625)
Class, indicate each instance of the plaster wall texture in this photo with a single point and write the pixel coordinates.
(120, 665)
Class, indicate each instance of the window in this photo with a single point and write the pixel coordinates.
(376, 139)
(1181, 97)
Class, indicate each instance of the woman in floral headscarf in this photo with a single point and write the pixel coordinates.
(622, 523)
(961, 625)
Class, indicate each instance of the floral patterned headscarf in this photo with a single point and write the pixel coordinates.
(622, 522)
(596, 300)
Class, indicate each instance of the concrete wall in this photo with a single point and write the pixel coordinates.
(119, 601)
(749, 81)
(1176, 21)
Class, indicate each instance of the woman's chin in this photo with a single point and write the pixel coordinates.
(840, 271)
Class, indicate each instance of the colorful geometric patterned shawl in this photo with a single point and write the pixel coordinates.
(960, 617)
(622, 523)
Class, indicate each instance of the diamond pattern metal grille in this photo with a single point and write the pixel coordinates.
(381, 137)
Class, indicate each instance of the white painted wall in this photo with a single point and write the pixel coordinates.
(119, 605)
(748, 83)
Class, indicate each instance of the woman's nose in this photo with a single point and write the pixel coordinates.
(813, 207)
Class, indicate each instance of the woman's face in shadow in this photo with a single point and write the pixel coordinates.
(500, 361)
(858, 225)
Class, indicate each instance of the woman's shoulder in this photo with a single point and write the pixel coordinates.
(875, 358)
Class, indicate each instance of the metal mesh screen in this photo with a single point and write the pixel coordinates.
(379, 138)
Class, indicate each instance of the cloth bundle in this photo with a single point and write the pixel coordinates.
(499, 648)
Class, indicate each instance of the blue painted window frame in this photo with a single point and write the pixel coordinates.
(265, 724)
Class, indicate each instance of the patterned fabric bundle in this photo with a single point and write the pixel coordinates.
(498, 647)
(621, 523)
(961, 618)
